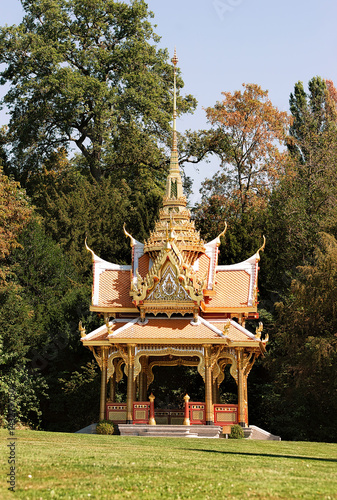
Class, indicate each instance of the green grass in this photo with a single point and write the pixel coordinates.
(75, 466)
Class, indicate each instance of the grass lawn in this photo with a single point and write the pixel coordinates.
(74, 466)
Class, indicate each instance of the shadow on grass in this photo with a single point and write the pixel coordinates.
(268, 455)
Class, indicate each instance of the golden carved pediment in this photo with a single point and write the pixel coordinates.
(169, 288)
(169, 280)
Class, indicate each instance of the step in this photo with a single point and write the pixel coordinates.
(168, 434)
(200, 431)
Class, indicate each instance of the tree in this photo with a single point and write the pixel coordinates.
(304, 202)
(74, 208)
(84, 72)
(249, 131)
(15, 213)
(313, 114)
(246, 135)
(41, 305)
(303, 354)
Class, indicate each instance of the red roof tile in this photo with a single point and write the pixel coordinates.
(204, 262)
(114, 288)
(155, 329)
(232, 290)
(159, 329)
(143, 265)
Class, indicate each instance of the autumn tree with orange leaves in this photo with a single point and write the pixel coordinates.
(15, 213)
(254, 130)
(248, 136)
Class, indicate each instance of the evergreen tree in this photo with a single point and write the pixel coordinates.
(302, 358)
(304, 202)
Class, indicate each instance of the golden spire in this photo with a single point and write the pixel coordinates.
(174, 187)
(174, 153)
(175, 223)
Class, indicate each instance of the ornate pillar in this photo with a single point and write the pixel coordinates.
(241, 389)
(208, 386)
(215, 391)
(112, 388)
(144, 372)
(130, 386)
(187, 410)
(246, 398)
(104, 370)
(142, 382)
(152, 420)
(135, 387)
(140, 386)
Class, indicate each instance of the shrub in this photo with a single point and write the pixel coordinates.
(236, 432)
(105, 427)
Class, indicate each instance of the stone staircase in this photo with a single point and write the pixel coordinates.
(253, 432)
(191, 431)
(187, 431)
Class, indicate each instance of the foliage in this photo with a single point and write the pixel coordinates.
(75, 208)
(303, 355)
(304, 202)
(77, 398)
(41, 305)
(170, 385)
(21, 392)
(236, 432)
(15, 212)
(86, 74)
(313, 114)
(249, 130)
(3, 141)
(246, 136)
(106, 427)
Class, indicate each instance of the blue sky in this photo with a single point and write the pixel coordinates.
(224, 43)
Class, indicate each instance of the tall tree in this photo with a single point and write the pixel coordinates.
(81, 72)
(313, 114)
(247, 133)
(15, 213)
(251, 129)
(303, 355)
(74, 207)
(304, 203)
(301, 272)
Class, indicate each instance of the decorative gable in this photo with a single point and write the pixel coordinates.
(169, 288)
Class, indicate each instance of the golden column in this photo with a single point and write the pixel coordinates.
(245, 392)
(241, 389)
(215, 391)
(104, 371)
(208, 386)
(112, 387)
(186, 410)
(152, 420)
(142, 381)
(130, 386)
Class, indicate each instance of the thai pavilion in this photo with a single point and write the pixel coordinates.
(174, 305)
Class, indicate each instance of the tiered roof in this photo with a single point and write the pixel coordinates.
(171, 330)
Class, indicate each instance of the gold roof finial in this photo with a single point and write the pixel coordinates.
(174, 187)
(128, 235)
(261, 249)
(174, 61)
